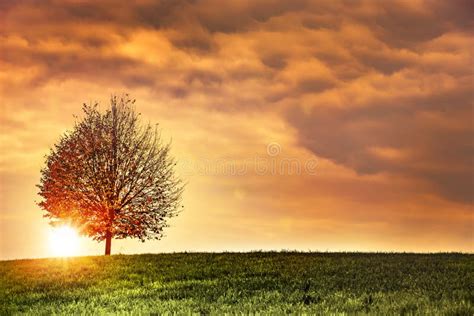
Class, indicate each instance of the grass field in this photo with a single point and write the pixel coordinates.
(259, 282)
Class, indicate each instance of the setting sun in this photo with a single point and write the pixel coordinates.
(64, 241)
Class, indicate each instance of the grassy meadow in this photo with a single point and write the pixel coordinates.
(257, 282)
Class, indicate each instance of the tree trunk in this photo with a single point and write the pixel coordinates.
(108, 233)
(108, 243)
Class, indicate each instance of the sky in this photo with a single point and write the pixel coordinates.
(302, 125)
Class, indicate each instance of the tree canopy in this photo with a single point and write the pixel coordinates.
(111, 176)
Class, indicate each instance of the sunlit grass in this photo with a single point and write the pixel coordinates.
(274, 283)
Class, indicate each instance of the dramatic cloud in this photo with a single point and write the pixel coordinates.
(379, 92)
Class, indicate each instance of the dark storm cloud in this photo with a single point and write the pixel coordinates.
(204, 77)
(401, 27)
(193, 44)
(400, 137)
(458, 14)
(313, 85)
(380, 62)
(406, 24)
(62, 65)
(275, 61)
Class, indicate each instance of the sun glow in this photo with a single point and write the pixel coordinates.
(64, 241)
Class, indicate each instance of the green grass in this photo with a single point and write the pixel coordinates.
(258, 282)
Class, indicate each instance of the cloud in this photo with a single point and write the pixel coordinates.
(380, 92)
(346, 82)
(427, 137)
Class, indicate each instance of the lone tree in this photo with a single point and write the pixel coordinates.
(111, 176)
